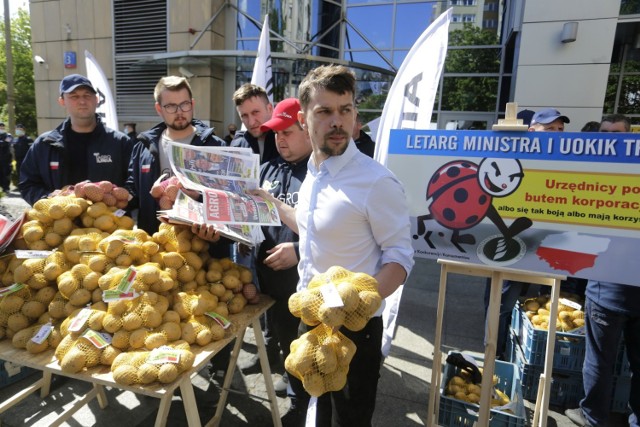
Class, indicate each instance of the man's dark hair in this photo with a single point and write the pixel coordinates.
(615, 118)
(591, 127)
(334, 78)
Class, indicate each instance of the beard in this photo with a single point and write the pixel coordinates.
(332, 149)
(180, 123)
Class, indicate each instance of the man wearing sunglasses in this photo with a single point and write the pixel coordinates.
(174, 104)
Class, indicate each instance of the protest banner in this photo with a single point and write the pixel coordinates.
(558, 202)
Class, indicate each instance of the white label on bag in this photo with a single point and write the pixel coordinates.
(331, 296)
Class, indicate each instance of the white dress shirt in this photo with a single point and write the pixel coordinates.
(352, 212)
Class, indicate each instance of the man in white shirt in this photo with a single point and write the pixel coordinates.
(352, 212)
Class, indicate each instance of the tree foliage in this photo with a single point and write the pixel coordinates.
(471, 93)
(23, 79)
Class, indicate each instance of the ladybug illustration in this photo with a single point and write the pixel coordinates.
(460, 195)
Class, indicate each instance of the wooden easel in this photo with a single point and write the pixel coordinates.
(497, 275)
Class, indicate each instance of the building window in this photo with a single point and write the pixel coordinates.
(489, 23)
(468, 18)
(456, 18)
(463, 2)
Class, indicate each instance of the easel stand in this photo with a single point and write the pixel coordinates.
(497, 275)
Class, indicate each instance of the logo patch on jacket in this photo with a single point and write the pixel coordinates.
(54, 166)
(145, 168)
(103, 158)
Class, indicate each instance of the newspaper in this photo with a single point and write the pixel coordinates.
(9, 230)
(188, 211)
(222, 175)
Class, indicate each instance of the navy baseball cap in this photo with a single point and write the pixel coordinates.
(547, 116)
(74, 81)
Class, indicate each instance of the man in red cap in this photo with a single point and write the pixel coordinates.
(278, 255)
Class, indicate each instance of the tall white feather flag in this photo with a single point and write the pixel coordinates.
(106, 104)
(262, 72)
(409, 105)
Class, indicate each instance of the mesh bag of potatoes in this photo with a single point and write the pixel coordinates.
(74, 354)
(50, 220)
(128, 247)
(146, 311)
(163, 364)
(12, 319)
(103, 191)
(178, 238)
(570, 312)
(106, 218)
(37, 338)
(201, 330)
(320, 359)
(38, 273)
(80, 242)
(337, 297)
(79, 284)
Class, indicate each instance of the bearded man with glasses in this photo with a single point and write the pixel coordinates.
(174, 104)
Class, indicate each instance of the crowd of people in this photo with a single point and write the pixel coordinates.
(317, 168)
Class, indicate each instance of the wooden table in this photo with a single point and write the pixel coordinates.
(100, 376)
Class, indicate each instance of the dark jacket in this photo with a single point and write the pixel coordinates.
(144, 170)
(20, 147)
(246, 140)
(365, 144)
(5, 148)
(44, 168)
(286, 179)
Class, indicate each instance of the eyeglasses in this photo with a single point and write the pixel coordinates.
(173, 108)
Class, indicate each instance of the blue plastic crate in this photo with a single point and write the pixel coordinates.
(10, 374)
(569, 348)
(566, 386)
(456, 413)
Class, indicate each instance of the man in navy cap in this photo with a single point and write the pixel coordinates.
(80, 148)
(548, 120)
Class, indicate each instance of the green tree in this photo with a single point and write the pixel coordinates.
(23, 79)
(471, 93)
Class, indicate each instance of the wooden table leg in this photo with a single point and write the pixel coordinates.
(101, 395)
(266, 372)
(224, 393)
(163, 410)
(46, 384)
(189, 402)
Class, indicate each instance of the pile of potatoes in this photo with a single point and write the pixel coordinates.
(177, 287)
(146, 367)
(462, 388)
(358, 293)
(320, 358)
(570, 313)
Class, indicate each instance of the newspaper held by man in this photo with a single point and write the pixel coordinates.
(221, 175)
(189, 211)
(9, 229)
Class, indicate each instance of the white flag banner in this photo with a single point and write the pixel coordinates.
(262, 72)
(409, 105)
(106, 105)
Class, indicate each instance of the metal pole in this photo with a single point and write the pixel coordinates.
(11, 101)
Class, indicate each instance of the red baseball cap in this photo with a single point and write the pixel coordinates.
(284, 115)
